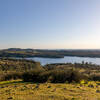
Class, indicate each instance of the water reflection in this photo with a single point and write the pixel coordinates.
(66, 59)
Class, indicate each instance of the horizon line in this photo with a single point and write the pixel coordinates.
(52, 49)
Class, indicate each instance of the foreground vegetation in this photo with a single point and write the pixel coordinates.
(19, 90)
(22, 79)
(31, 71)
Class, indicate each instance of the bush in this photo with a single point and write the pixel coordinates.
(53, 76)
(31, 76)
(10, 76)
(61, 76)
(44, 76)
(75, 76)
(95, 77)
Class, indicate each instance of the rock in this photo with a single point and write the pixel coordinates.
(97, 86)
(97, 91)
(65, 89)
(49, 87)
(15, 86)
(78, 87)
(90, 85)
(37, 86)
(10, 98)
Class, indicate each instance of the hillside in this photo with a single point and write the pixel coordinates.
(22, 79)
(18, 65)
(17, 52)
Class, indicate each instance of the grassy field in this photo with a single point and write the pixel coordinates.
(19, 90)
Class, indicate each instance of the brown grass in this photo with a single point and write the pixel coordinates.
(17, 90)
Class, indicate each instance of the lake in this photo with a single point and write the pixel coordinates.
(66, 59)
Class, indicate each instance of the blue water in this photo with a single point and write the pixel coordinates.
(66, 59)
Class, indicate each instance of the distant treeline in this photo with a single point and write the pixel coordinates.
(17, 52)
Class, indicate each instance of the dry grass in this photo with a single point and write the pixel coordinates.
(17, 90)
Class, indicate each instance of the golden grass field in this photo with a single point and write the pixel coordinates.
(18, 90)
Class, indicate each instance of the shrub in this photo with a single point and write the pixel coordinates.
(44, 76)
(9, 76)
(61, 76)
(53, 76)
(31, 76)
(95, 77)
(75, 76)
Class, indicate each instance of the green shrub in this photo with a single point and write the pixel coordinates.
(44, 76)
(10, 76)
(95, 77)
(61, 76)
(53, 76)
(31, 76)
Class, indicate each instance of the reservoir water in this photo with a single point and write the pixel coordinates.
(66, 59)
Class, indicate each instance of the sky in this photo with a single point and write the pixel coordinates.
(50, 24)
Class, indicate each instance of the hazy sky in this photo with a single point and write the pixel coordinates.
(52, 24)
